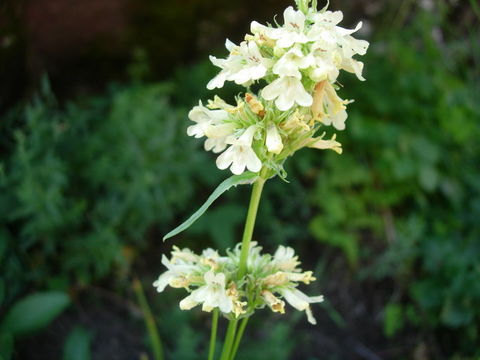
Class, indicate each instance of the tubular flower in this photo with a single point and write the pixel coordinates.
(295, 66)
(270, 281)
(240, 154)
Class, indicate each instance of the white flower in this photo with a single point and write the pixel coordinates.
(301, 302)
(255, 66)
(286, 91)
(175, 276)
(291, 61)
(260, 34)
(228, 65)
(215, 144)
(353, 66)
(305, 277)
(319, 143)
(326, 65)
(273, 140)
(328, 107)
(213, 294)
(240, 154)
(327, 18)
(285, 259)
(205, 119)
(185, 256)
(244, 65)
(292, 30)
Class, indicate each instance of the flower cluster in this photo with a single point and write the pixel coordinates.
(298, 63)
(212, 281)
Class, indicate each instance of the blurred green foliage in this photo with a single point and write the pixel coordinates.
(84, 183)
(408, 183)
(30, 314)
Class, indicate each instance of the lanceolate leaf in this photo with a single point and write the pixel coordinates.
(34, 312)
(234, 180)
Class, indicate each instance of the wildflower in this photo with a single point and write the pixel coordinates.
(328, 107)
(319, 143)
(176, 276)
(205, 119)
(292, 30)
(211, 295)
(215, 284)
(244, 64)
(285, 259)
(273, 302)
(290, 63)
(238, 306)
(301, 302)
(286, 91)
(255, 105)
(305, 277)
(273, 140)
(277, 279)
(240, 154)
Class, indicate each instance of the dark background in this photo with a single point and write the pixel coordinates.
(95, 167)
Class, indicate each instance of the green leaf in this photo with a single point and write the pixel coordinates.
(77, 345)
(247, 177)
(393, 320)
(34, 312)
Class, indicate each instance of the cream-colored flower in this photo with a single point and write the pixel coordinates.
(285, 258)
(273, 302)
(212, 295)
(305, 277)
(326, 18)
(260, 34)
(332, 144)
(238, 306)
(273, 140)
(292, 31)
(216, 145)
(240, 154)
(183, 255)
(177, 275)
(327, 65)
(243, 65)
(328, 107)
(295, 122)
(255, 105)
(277, 279)
(293, 60)
(205, 119)
(286, 91)
(301, 302)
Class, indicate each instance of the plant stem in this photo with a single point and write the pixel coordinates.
(250, 223)
(238, 338)
(213, 335)
(152, 330)
(227, 346)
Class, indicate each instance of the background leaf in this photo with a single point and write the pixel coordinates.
(34, 312)
(77, 345)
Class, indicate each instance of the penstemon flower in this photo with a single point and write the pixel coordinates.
(295, 67)
(212, 281)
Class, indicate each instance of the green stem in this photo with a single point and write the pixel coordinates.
(152, 330)
(213, 335)
(227, 346)
(250, 223)
(238, 338)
